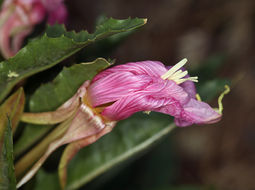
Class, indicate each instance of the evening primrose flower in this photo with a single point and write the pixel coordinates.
(149, 86)
(18, 18)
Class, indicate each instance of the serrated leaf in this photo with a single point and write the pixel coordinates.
(55, 46)
(49, 96)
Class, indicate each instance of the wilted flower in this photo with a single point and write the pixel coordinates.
(115, 94)
(18, 18)
(149, 86)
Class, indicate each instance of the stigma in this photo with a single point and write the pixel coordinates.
(177, 75)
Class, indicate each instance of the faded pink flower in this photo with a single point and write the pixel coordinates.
(115, 94)
(18, 18)
(149, 86)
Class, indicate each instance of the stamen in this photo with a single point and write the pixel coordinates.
(174, 69)
(176, 74)
(179, 75)
(193, 79)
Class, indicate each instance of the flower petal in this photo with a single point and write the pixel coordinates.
(165, 97)
(150, 68)
(189, 87)
(115, 86)
(196, 112)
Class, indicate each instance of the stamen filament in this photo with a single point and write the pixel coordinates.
(193, 79)
(179, 75)
(176, 74)
(174, 69)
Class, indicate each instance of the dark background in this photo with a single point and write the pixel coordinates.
(218, 156)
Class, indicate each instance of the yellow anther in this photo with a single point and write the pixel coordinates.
(198, 97)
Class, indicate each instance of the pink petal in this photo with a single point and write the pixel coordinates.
(162, 97)
(5, 31)
(37, 14)
(150, 68)
(189, 88)
(196, 112)
(115, 86)
(128, 105)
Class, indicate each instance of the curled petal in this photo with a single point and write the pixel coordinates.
(149, 86)
(150, 68)
(136, 102)
(189, 87)
(196, 112)
(115, 86)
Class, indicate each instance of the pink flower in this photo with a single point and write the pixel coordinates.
(115, 94)
(18, 18)
(149, 86)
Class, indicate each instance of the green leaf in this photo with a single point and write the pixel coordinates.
(12, 108)
(104, 47)
(50, 96)
(10, 113)
(47, 181)
(53, 47)
(7, 175)
(129, 137)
